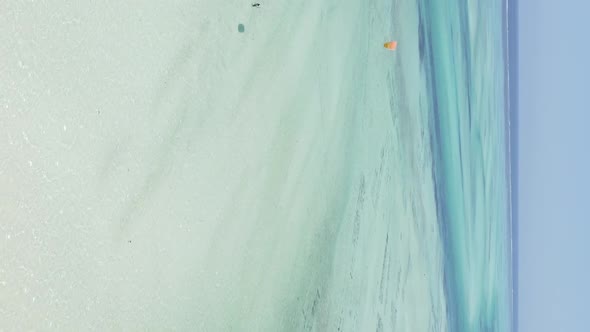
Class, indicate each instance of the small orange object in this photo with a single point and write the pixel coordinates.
(392, 45)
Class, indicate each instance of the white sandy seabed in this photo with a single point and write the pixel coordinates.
(162, 171)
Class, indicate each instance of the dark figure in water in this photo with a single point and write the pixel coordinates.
(256, 4)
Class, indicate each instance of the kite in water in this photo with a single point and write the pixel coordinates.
(390, 45)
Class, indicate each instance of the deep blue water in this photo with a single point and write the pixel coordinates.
(464, 66)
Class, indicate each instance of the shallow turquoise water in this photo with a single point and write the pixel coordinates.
(462, 64)
(294, 177)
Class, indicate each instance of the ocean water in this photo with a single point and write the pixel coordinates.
(461, 51)
(164, 170)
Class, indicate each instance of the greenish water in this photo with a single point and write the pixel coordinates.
(461, 50)
(166, 171)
